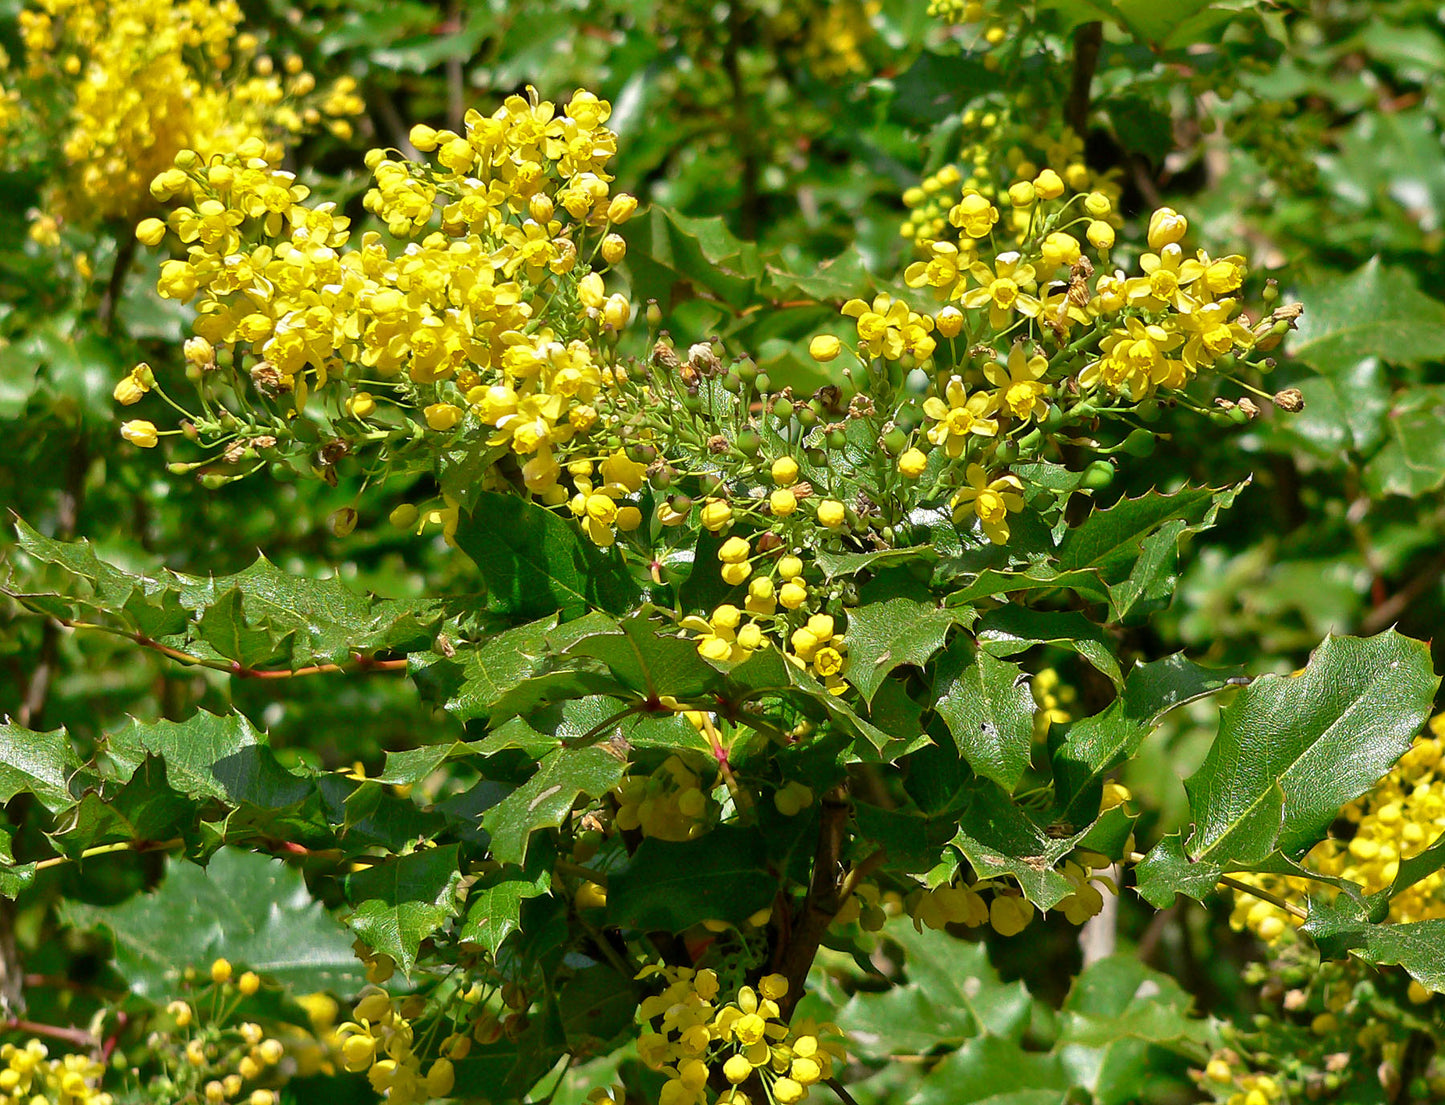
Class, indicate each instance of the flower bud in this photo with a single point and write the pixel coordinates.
(824, 347)
(150, 232)
(142, 435)
(614, 249)
(621, 208)
(1166, 226)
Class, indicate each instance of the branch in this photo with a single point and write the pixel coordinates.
(794, 958)
(78, 1036)
(360, 662)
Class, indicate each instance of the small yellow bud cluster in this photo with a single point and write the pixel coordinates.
(469, 313)
(671, 803)
(694, 1035)
(30, 1075)
(380, 1041)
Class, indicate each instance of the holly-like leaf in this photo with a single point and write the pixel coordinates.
(544, 800)
(1110, 541)
(1412, 461)
(648, 663)
(1345, 926)
(494, 904)
(721, 876)
(998, 838)
(471, 681)
(989, 709)
(259, 616)
(41, 764)
(1097, 744)
(884, 635)
(1036, 579)
(402, 900)
(1291, 750)
(252, 910)
(534, 563)
(211, 756)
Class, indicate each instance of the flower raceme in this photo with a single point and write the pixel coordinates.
(150, 78)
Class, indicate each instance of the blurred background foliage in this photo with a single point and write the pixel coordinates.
(775, 140)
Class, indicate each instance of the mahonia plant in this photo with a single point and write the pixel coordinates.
(753, 670)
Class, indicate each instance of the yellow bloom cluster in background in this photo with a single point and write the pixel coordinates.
(147, 78)
(1398, 819)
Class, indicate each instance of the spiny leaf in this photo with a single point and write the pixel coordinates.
(404, 899)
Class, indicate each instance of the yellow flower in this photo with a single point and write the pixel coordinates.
(1135, 358)
(1003, 289)
(889, 329)
(974, 215)
(442, 416)
(1166, 226)
(990, 500)
(784, 471)
(960, 416)
(1019, 389)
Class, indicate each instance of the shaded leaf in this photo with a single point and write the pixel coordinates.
(402, 900)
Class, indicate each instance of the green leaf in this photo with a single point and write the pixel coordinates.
(721, 876)
(212, 756)
(475, 677)
(1110, 541)
(534, 563)
(1291, 750)
(402, 900)
(884, 635)
(544, 800)
(1097, 744)
(596, 1005)
(41, 764)
(1012, 628)
(1036, 579)
(252, 910)
(998, 837)
(989, 709)
(671, 256)
(1118, 998)
(648, 663)
(1373, 312)
(994, 1071)
(1412, 461)
(952, 994)
(494, 905)
(1417, 946)
(257, 616)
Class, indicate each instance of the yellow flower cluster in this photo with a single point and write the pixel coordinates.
(380, 1041)
(31, 1077)
(689, 1034)
(671, 803)
(780, 604)
(1402, 816)
(151, 77)
(1001, 149)
(1247, 1088)
(479, 319)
